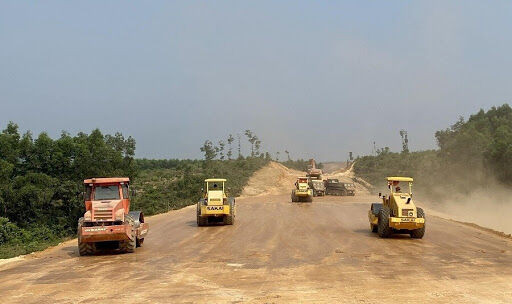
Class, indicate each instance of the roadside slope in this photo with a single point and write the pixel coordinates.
(272, 179)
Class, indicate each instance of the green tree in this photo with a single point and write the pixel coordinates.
(221, 149)
(230, 145)
(209, 150)
(40, 181)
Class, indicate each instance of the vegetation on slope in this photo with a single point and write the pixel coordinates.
(164, 187)
(472, 154)
(41, 182)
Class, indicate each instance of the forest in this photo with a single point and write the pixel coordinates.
(41, 181)
(472, 153)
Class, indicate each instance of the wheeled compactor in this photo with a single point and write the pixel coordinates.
(108, 222)
(215, 207)
(302, 191)
(397, 213)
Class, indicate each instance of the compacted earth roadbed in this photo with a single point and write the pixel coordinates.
(321, 252)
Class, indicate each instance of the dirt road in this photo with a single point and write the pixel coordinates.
(277, 252)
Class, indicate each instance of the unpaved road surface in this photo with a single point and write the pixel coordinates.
(277, 252)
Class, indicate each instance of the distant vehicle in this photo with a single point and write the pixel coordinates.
(397, 213)
(215, 206)
(317, 186)
(302, 192)
(349, 189)
(314, 172)
(333, 187)
(108, 221)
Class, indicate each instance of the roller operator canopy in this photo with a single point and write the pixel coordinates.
(107, 180)
(215, 180)
(399, 179)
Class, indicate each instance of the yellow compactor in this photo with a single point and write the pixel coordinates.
(397, 213)
(302, 191)
(215, 207)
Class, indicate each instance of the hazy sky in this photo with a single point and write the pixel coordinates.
(317, 78)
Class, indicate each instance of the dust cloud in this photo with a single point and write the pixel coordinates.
(489, 207)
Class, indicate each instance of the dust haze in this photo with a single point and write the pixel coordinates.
(467, 193)
(488, 207)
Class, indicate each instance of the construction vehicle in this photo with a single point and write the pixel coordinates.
(108, 222)
(333, 187)
(397, 213)
(313, 172)
(215, 207)
(348, 189)
(317, 186)
(302, 191)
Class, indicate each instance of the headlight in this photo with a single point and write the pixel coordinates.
(407, 212)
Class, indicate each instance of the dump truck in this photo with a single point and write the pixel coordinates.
(348, 189)
(397, 213)
(333, 187)
(313, 172)
(317, 186)
(302, 192)
(108, 222)
(215, 207)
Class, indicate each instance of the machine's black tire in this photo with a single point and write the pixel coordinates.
(230, 218)
(199, 221)
(83, 247)
(309, 199)
(128, 246)
(294, 197)
(198, 206)
(140, 242)
(202, 221)
(86, 248)
(419, 233)
(383, 228)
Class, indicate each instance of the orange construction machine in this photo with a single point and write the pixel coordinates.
(108, 221)
(314, 172)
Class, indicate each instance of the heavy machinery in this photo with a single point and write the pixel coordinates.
(397, 213)
(302, 191)
(317, 186)
(215, 207)
(108, 221)
(313, 172)
(333, 187)
(348, 189)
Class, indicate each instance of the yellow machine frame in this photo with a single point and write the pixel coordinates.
(302, 191)
(215, 206)
(215, 199)
(402, 206)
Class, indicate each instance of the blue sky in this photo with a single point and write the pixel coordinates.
(317, 78)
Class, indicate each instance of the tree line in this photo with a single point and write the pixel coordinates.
(41, 181)
(472, 154)
(221, 151)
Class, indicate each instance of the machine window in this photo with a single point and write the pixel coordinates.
(88, 192)
(106, 193)
(125, 191)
